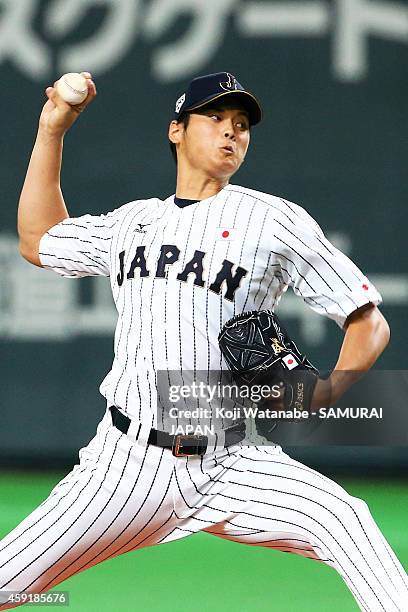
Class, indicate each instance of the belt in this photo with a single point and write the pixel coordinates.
(181, 445)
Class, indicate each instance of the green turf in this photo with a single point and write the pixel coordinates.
(203, 573)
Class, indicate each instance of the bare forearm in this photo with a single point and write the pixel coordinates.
(367, 335)
(41, 202)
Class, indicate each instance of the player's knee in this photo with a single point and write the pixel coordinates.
(359, 506)
(349, 512)
(355, 513)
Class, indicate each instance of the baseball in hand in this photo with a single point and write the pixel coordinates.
(73, 88)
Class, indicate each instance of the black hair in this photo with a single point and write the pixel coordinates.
(184, 119)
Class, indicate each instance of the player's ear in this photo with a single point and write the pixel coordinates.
(175, 131)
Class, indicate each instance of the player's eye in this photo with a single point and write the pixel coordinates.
(243, 125)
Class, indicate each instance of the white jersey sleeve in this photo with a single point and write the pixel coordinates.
(80, 246)
(328, 281)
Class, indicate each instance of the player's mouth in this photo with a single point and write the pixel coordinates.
(228, 149)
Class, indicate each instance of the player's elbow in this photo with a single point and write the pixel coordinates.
(30, 253)
(29, 243)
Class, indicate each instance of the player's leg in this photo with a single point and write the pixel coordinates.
(268, 499)
(119, 494)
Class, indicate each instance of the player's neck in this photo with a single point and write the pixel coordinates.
(195, 186)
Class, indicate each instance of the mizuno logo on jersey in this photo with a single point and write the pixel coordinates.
(226, 277)
(140, 228)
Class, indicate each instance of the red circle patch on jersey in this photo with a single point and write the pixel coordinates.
(225, 234)
(365, 287)
(290, 361)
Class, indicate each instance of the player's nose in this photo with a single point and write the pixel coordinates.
(229, 131)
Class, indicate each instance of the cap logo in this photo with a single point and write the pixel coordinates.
(180, 103)
(229, 85)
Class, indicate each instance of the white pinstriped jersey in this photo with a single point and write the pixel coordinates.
(177, 274)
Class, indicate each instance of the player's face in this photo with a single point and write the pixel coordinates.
(216, 140)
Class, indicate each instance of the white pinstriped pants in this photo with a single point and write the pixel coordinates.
(124, 495)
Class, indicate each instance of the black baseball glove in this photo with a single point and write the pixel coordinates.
(259, 351)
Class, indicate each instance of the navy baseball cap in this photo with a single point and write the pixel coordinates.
(205, 89)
